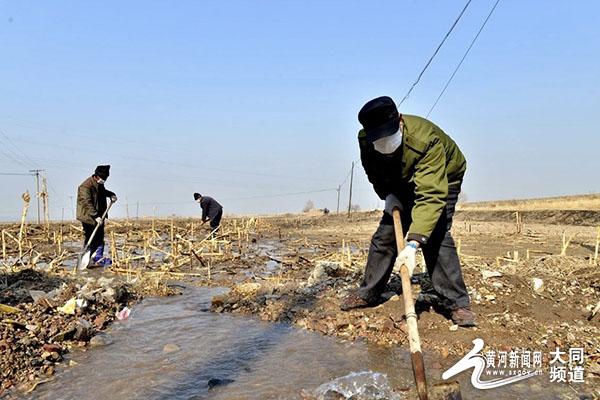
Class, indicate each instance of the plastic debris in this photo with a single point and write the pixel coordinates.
(537, 284)
(123, 314)
(69, 307)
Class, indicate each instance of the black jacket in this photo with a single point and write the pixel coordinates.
(210, 208)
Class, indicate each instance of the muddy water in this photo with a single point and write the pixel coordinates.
(172, 348)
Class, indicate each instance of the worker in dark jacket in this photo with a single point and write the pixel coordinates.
(414, 165)
(91, 205)
(211, 210)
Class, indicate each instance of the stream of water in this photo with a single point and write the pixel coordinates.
(173, 348)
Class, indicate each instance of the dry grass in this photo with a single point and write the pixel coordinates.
(579, 202)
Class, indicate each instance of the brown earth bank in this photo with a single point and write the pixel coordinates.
(555, 217)
(537, 289)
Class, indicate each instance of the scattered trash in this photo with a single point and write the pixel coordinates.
(69, 307)
(358, 385)
(486, 273)
(123, 314)
(537, 284)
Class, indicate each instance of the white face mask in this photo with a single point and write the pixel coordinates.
(101, 181)
(389, 144)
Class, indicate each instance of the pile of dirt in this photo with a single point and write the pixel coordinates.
(45, 316)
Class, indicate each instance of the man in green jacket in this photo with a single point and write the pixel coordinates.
(91, 205)
(414, 165)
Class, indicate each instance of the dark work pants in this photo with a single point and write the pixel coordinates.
(98, 238)
(216, 220)
(440, 255)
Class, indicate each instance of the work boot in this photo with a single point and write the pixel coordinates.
(463, 317)
(353, 300)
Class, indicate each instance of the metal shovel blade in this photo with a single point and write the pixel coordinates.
(84, 260)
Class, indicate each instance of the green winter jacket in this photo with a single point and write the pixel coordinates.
(418, 173)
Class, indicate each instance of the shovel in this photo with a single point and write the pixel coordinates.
(440, 391)
(83, 260)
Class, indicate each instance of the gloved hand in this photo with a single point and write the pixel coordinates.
(392, 202)
(113, 198)
(99, 221)
(407, 257)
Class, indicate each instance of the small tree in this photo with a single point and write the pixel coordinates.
(308, 206)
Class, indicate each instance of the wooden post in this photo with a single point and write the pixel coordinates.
(597, 246)
(3, 246)
(113, 248)
(350, 191)
(518, 222)
(566, 242)
(26, 198)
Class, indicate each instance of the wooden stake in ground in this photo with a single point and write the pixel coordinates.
(597, 246)
(411, 316)
(26, 199)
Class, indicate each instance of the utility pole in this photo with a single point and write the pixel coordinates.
(36, 173)
(337, 211)
(350, 195)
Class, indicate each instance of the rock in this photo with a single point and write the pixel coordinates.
(322, 270)
(52, 347)
(247, 289)
(100, 340)
(64, 335)
(444, 352)
(497, 285)
(83, 330)
(100, 321)
(214, 382)
(490, 274)
(454, 328)
(537, 284)
(219, 300)
(170, 348)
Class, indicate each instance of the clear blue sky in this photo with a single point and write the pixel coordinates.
(240, 99)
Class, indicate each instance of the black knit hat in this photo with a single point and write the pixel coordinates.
(103, 171)
(197, 196)
(379, 118)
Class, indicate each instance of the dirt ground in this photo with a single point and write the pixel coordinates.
(499, 266)
(296, 269)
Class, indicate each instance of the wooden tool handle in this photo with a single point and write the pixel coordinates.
(411, 316)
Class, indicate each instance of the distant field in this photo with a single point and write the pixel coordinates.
(578, 202)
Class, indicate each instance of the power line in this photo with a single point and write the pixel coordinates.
(434, 53)
(463, 58)
(33, 163)
(14, 174)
